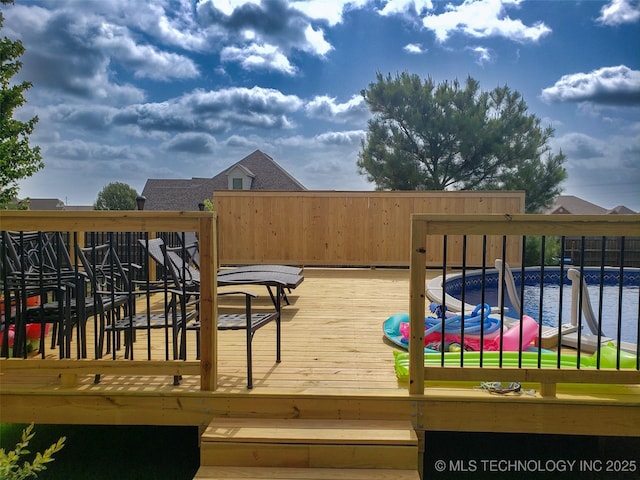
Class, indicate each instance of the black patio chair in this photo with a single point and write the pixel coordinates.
(178, 275)
(270, 276)
(115, 294)
(36, 266)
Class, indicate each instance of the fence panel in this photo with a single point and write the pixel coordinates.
(345, 228)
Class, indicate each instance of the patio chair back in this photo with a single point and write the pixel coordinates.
(36, 251)
(181, 273)
(39, 279)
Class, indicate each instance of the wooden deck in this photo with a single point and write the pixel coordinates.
(335, 364)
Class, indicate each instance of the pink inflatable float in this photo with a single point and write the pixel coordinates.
(511, 338)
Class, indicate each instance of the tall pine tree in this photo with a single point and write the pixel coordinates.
(451, 136)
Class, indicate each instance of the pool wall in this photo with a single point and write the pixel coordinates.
(473, 280)
(551, 314)
(592, 275)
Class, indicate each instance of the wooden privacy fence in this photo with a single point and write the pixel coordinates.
(346, 228)
(588, 251)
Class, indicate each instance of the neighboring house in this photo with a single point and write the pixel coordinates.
(46, 204)
(580, 250)
(53, 204)
(257, 171)
(577, 206)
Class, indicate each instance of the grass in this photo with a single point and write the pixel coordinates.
(109, 452)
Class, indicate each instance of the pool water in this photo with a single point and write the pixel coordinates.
(550, 304)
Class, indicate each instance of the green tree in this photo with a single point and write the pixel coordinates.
(425, 136)
(208, 205)
(116, 196)
(533, 252)
(18, 159)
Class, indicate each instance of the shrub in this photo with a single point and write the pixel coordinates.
(10, 468)
(533, 252)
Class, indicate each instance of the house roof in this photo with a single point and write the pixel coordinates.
(46, 204)
(186, 194)
(176, 194)
(578, 206)
(621, 210)
(574, 205)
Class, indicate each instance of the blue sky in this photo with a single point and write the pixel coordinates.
(130, 90)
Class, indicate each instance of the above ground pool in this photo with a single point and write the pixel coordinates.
(551, 295)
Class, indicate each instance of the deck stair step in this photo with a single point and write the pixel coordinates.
(284, 473)
(308, 449)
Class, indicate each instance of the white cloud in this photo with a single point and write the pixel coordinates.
(258, 57)
(352, 137)
(329, 11)
(77, 54)
(315, 38)
(285, 26)
(483, 18)
(228, 6)
(145, 60)
(608, 85)
(248, 107)
(326, 10)
(617, 12)
(182, 34)
(198, 112)
(604, 170)
(326, 108)
(190, 142)
(415, 48)
(239, 141)
(482, 55)
(580, 147)
(393, 7)
(87, 152)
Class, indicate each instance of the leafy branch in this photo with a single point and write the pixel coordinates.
(10, 468)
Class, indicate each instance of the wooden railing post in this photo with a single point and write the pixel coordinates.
(208, 303)
(417, 294)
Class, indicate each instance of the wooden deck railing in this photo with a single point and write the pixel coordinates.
(513, 228)
(203, 223)
(422, 227)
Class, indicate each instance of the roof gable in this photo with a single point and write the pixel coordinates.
(186, 194)
(267, 174)
(242, 168)
(621, 210)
